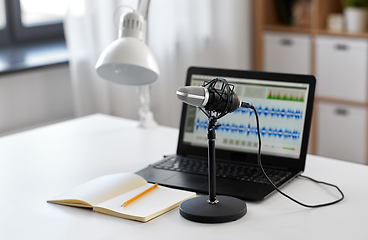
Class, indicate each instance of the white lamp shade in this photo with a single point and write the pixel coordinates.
(128, 61)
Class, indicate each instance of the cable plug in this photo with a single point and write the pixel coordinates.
(246, 105)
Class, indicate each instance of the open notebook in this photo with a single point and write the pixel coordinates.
(106, 194)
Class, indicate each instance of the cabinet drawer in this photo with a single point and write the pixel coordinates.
(342, 132)
(288, 53)
(341, 68)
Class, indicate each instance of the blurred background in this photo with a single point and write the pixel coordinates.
(49, 48)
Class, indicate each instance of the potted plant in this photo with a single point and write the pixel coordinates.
(356, 15)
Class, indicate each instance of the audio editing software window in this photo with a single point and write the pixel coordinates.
(281, 107)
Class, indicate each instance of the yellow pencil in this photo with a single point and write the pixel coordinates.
(139, 195)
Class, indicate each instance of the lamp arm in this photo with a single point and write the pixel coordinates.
(143, 7)
(146, 119)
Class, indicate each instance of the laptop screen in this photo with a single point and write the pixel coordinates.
(281, 106)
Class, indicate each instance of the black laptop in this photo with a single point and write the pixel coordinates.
(284, 103)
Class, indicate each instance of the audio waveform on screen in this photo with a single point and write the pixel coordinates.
(285, 96)
(273, 112)
(251, 130)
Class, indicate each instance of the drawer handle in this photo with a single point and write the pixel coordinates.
(286, 42)
(341, 112)
(341, 47)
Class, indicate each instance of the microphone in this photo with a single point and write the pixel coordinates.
(213, 99)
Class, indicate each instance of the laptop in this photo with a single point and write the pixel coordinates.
(284, 103)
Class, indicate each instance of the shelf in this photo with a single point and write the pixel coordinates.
(292, 29)
(268, 18)
(341, 101)
(343, 34)
(285, 28)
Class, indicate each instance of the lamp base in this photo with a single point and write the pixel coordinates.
(226, 210)
(146, 120)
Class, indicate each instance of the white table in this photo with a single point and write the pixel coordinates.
(39, 164)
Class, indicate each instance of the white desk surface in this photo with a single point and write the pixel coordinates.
(38, 164)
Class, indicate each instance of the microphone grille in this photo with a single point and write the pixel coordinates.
(195, 96)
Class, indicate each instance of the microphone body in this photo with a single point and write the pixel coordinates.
(209, 99)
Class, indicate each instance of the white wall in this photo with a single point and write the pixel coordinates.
(183, 33)
(34, 98)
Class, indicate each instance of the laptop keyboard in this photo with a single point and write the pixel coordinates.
(223, 170)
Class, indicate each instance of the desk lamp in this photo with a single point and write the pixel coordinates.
(129, 61)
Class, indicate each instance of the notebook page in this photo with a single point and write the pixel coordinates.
(102, 188)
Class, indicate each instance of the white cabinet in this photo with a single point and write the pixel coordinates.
(288, 53)
(342, 132)
(341, 68)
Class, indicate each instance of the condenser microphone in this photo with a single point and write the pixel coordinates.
(209, 99)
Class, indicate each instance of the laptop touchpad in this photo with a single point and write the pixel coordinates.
(187, 180)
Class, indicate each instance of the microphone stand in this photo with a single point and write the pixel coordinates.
(211, 136)
(212, 208)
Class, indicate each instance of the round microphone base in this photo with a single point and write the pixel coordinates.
(226, 210)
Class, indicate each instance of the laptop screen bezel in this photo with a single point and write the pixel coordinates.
(185, 149)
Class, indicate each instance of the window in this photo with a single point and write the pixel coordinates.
(4, 33)
(31, 20)
(36, 12)
(2, 14)
(31, 34)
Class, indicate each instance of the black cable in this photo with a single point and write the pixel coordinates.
(247, 105)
